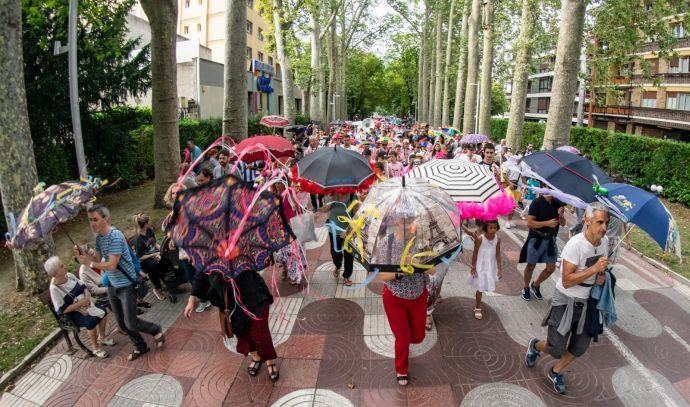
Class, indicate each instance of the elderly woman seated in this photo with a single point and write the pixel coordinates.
(71, 297)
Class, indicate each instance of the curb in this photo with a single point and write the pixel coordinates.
(676, 276)
(37, 351)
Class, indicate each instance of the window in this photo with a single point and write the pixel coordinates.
(270, 61)
(186, 3)
(545, 85)
(260, 33)
(649, 98)
(250, 27)
(679, 101)
(260, 56)
(249, 53)
(543, 105)
(679, 30)
(250, 3)
(198, 27)
(186, 29)
(679, 65)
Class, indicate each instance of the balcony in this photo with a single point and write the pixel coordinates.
(644, 112)
(682, 78)
(654, 46)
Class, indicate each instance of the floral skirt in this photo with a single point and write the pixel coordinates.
(292, 258)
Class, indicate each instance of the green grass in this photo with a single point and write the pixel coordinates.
(642, 242)
(24, 325)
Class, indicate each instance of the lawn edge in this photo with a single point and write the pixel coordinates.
(37, 351)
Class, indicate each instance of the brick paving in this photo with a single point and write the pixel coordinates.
(335, 349)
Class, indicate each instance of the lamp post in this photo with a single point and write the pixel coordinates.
(71, 49)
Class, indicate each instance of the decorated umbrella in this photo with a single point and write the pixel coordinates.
(274, 121)
(404, 225)
(452, 131)
(569, 149)
(50, 207)
(635, 205)
(227, 228)
(464, 182)
(567, 172)
(333, 170)
(473, 139)
(254, 148)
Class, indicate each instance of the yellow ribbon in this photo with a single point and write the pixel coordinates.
(410, 266)
(356, 225)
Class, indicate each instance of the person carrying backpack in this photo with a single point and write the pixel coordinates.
(114, 256)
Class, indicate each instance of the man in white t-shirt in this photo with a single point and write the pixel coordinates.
(584, 260)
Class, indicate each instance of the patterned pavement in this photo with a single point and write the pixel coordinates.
(335, 349)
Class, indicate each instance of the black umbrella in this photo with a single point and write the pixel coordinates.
(567, 172)
(333, 170)
(297, 128)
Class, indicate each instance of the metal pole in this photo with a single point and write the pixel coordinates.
(476, 112)
(74, 88)
(581, 90)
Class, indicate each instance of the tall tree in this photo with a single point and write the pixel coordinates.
(560, 116)
(460, 80)
(17, 163)
(439, 61)
(469, 119)
(432, 76)
(317, 81)
(332, 55)
(235, 108)
(281, 27)
(421, 76)
(484, 117)
(446, 70)
(523, 54)
(162, 15)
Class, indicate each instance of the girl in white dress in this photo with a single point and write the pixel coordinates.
(486, 263)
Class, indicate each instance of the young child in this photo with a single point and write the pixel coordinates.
(394, 167)
(486, 263)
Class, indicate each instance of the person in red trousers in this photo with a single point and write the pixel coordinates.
(404, 301)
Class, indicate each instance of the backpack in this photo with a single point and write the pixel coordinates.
(135, 259)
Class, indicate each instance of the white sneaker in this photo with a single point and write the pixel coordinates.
(508, 225)
(106, 342)
(202, 306)
(511, 224)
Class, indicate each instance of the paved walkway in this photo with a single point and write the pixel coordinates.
(335, 349)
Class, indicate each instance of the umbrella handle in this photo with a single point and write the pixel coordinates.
(63, 229)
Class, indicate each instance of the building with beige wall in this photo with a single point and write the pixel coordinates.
(202, 22)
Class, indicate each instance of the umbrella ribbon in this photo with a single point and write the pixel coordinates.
(356, 226)
(409, 267)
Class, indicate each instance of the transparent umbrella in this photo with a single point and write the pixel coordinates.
(404, 224)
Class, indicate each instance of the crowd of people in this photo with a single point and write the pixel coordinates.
(111, 272)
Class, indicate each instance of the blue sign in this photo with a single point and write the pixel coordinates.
(263, 84)
(262, 67)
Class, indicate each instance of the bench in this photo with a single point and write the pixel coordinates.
(66, 325)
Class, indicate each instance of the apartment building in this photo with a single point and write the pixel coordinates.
(202, 23)
(539, 85)
(656, 105)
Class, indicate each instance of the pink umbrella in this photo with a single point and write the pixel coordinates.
(569, 149)
(274, 121)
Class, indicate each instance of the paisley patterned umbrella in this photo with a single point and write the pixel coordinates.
(48, 208)
(204, 218)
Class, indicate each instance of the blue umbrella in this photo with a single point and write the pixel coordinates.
(645, 210)
(567, 172)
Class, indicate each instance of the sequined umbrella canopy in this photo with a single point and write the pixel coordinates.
(405, 224)
(205, 219)
(50, 207)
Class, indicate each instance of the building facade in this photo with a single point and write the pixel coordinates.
(656, 104)
(201, 27)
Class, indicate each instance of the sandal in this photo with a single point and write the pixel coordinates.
(159, 294)
(336, 272)
(478, 313)
(273, 373)
(160, 339)
(428, 323)
(136, 353)
(403, 380)
(106, 341)
(100, 353)
(348, 282)
(253, 368)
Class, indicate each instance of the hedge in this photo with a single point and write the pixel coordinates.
(639, 160)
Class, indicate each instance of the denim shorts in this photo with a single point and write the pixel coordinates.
(540, 254)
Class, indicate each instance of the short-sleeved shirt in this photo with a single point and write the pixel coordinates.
(543, 210)
(146, 244)
(114, 243)
(530, 194)
(583, 254)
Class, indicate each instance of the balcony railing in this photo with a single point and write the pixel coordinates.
(646, 112)
(682, 78)
(654, 46)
